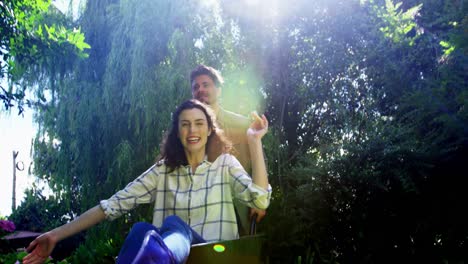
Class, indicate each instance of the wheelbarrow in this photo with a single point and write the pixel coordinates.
(245, 250)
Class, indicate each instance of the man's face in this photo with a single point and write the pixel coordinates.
(205, 90)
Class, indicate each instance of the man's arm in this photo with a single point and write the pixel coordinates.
(235, 127)
(41, 248)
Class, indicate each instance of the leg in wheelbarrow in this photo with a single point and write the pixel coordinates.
(178, 237)
(170, 244)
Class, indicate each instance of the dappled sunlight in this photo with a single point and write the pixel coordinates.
(241, 92)
(257, 11)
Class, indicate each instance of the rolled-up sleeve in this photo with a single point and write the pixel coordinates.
(139, 191)
(243, 187)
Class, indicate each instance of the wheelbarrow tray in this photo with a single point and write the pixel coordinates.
(246, 250)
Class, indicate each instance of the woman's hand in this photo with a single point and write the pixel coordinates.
(40, 248)
(258, 128)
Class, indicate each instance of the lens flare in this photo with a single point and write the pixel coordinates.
(219, 248)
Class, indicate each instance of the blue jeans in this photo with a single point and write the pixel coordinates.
(177, 235)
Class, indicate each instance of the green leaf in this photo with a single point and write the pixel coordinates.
(444, 44)
(39, 31)
(408, 28)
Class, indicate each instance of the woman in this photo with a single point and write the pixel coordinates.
(192, 195)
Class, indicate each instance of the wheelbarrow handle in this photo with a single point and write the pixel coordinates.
(253, 224)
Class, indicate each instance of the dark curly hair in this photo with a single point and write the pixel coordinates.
(172, 150)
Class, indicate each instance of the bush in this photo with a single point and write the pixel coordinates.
(101, 251)
(38, 213)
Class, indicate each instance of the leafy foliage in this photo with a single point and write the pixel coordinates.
(38, 213)
(11, 258)
(102, 251)
(34, 37)
(364, 130)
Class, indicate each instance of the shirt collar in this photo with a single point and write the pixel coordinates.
(204, 161)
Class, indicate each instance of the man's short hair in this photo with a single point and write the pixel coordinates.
(206, 70)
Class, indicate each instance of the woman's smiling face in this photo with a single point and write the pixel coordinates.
(193, 130)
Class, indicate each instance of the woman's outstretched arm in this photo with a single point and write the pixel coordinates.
(255, 133)
(41, 248)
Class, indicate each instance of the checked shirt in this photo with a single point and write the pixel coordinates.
(203, 199)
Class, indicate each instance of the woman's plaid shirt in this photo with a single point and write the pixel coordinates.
(203, 198)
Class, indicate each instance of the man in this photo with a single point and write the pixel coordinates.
(206, 83)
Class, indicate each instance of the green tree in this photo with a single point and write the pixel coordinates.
(34, 38)
(394, 119)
